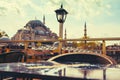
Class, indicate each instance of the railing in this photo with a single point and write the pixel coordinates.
(62, 40)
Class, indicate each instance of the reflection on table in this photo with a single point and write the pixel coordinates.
(53, 71)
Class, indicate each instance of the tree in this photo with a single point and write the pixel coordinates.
(74, 44)
(3, 33)
(0, 35)
(88, 44)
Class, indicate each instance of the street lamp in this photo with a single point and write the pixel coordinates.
(61, 15)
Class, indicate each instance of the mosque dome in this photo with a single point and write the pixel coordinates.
(35, 23)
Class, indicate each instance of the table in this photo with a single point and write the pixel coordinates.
(51, 71)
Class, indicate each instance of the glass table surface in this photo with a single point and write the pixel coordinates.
(46, 70)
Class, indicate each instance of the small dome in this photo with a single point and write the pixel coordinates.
(4, 38)
(41, 32)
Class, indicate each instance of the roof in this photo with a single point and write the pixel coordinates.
(4, 38)
(35, 23)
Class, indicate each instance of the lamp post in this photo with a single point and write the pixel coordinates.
(61, 15)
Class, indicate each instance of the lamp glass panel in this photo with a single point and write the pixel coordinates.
(60, 17)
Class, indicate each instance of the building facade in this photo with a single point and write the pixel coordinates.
(34, 30)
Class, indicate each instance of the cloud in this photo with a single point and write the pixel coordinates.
(8, 6)
(81, 8)
(84, 8)
(16, 7)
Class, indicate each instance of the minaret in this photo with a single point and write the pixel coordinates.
(35, 18)
(44, 19)
(85, 31)
(85, 35)
(65, 35)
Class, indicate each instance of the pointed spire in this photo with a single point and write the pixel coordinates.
(35, 18)
(85, 30)
(65, 34)
(43, 19)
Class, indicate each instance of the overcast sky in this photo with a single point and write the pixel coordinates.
(102, 16)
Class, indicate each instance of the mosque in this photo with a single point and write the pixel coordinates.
(35, 30)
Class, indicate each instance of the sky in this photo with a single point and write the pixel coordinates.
(101, 16)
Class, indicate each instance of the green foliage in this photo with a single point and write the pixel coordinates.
(3, 33)
(88, 45)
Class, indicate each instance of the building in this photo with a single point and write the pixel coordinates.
(35, 30)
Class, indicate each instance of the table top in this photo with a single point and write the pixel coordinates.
(53, 70)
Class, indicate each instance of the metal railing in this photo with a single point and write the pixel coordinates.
(25, 42)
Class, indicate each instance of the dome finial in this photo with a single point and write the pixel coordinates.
(44, 19)
(61, 5)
